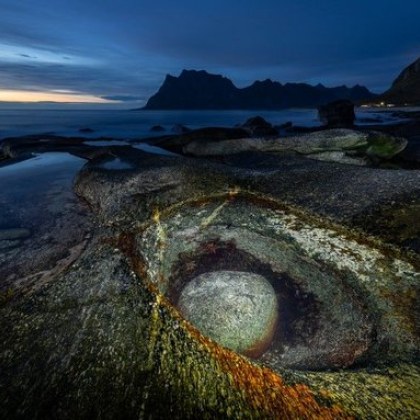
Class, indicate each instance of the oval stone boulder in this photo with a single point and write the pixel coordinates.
(239, 310)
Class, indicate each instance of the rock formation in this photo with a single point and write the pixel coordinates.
(337, 114)
(201, 90)
(339, 145)
(100, 334)
(406, 87)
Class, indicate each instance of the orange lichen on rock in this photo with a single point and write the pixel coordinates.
(253, 388)
(264, 390)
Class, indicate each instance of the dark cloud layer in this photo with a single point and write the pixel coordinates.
(122, 50)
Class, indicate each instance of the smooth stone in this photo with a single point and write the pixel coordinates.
(236, 309)
(16, 233)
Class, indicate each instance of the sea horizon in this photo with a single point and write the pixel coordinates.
(130, 123)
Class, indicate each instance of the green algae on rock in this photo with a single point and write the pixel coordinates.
(384, 146)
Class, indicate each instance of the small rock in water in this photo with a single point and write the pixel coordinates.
(157, 128)
(337, 114)
(258, 126)
(16, 233)
(236, 309)
(180, 129)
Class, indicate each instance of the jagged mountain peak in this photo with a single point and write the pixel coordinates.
(198, 89)
(405, 89)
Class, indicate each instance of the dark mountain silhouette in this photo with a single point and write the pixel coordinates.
(406, 87)
(201, 90)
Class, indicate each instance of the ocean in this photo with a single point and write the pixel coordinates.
(128, 124)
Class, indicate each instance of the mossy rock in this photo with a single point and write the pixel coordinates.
(383, 146)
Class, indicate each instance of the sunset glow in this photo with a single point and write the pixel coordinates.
(37, 96)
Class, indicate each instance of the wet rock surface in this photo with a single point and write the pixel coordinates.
(43, 226)
(100, 335)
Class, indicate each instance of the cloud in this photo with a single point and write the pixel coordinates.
(123, 49)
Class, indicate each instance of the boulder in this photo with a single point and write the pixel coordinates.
(337, 114)
(180, 129)
(157, 128)
(337, 145)
(86, 130)
(285, 126)
(258, 126)
(236, 309)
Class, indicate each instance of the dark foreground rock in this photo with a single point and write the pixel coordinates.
(103, 338)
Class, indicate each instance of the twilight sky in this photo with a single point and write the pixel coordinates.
(98, 50)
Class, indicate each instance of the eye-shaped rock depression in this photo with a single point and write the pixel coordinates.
(278, 285)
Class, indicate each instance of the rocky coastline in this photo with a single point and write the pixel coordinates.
(326, 217)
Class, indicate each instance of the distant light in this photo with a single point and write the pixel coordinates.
(54, 96)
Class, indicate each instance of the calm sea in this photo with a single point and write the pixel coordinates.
(126, 124)
(132, 124)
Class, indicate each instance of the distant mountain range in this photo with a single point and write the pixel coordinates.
(201, 90)
(406, 87)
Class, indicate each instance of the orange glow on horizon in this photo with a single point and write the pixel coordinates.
(38, 96)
